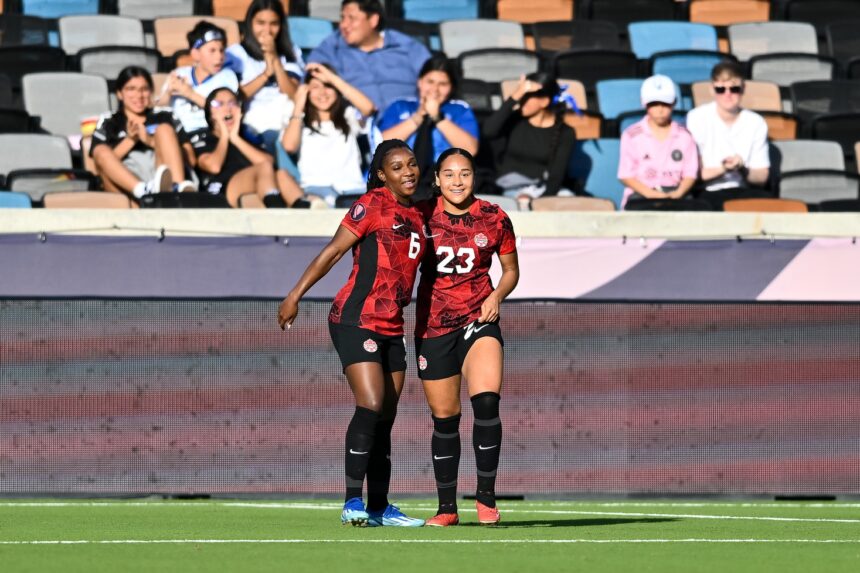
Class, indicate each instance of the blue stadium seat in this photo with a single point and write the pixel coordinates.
(438, 10)
(595, 163)
(13, 200)
(648, 38)
(687, 66)
(308, 32)
(614, 97)
(59, 8)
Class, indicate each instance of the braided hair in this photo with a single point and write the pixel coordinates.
(384, 148)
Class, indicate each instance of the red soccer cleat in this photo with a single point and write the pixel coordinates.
(442, 520)
(487, 515)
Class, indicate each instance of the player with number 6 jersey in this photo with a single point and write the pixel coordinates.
(457, 333)
(384, 230)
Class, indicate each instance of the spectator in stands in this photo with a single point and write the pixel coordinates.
(137, 149)
(537, 141)
(270, 68)
(229, 164)
(432, 122)
(383, 64)
(187, 87)
(659, 159)
(732, 141)
(330, 115)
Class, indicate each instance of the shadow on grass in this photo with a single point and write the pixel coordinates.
(512, 523)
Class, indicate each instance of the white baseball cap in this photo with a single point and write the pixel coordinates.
(658, 88)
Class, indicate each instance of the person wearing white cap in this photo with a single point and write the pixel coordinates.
(659, 159)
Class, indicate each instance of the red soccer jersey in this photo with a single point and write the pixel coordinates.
(385, 261)
(455, 272)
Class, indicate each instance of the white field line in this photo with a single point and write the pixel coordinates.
(431, 541)
(330, 507)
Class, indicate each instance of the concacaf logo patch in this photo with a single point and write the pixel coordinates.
(370, 345)
(422, 363)
(357, 212)
(481, 240)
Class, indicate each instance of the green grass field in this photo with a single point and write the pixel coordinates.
(144, 535)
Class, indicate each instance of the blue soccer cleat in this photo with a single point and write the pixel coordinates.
(392, 516)
(354, 513)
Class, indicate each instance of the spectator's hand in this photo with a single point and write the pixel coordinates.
(322, 73)
(132, 129)
(490, 309)
(221, 129)
(235, 129)
(431, 106)
(732, 163)
(287, 312)
(267, 43)
(300, 98)
(143, 136)
(525, 86)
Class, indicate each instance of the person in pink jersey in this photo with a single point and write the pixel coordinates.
(659, 159)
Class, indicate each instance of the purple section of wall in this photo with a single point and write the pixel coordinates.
(210, 396)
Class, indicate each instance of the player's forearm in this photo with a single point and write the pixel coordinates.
(319, 267)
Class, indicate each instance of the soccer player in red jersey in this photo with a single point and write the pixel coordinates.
(385, 232)
(457, 333)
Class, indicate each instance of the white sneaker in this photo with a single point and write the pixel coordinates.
(184, 186)
(162, 181)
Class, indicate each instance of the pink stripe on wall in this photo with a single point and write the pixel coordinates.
(826, 269)
(581, 265)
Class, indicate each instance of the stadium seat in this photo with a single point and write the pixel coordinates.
(811, 99)
(497, 64)
(507, 204)
(236, 9)
(325, 9)
(188, 200)
(842, 128)
(820, 13)
(47, 95)
(843, 41)
(857, 155)
(17, 121)
(814, 186)
(765, 206)
(572, 204)
(426, 33)
(758, 96)
(840, 206)
(13, 200)
(648, 38)
(673, 205)
(628, 118)
(86, 200)
(308, 32)
(170, 33)
(615, 97)
(439, 10)
(108, 61)
(786, 69)
(805, 154)
(534, 10)
(591, 66)
(755, 39)
(780, 126)
(36, 164)
(594, 163)
(460, 36)
(21, 30)
(559, 36)
(483, 97)
(623, 13)
(16, 61)
(59, 8)
(727, 12)
(79, 32)
(687, 66)
(587, 124)
(152, 9)
(7, 98)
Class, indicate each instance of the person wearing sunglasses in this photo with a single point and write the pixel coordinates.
(732, 140)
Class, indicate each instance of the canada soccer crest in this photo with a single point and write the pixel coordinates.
(370, 345)
(481, 240)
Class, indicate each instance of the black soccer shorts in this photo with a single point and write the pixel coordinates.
(443, 356)
(354, 345)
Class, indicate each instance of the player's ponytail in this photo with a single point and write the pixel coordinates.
(384, 148)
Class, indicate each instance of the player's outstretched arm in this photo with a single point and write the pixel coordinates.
(509, 280)
(342, 242)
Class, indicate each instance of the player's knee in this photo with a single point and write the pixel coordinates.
(486, 405)
(446, 411)
(373, 403)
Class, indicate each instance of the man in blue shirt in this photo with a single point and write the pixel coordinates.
(384, 64)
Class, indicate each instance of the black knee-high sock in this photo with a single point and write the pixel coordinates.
(487, 441)
(359, 443)
(379, 468)
(445, 446)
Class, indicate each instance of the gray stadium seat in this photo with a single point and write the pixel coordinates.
(63, 99)
(108, 61)
(786, 69)
(495, 65)
(79, 32)
(804, 154)
(507, 204)
(754, 39)
(460, 36)
(152, 9)
(32, 151)
(325, 9)
(815, 186)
